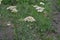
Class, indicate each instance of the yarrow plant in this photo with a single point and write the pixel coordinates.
(39, 8)
(12, 8)
(0, 1)
(29, 19)
(42, 3)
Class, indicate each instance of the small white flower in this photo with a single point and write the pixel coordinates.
(8, 24)
(0, 1)
(35, 6)
(42, 3)
(40, 9)
(29, 19)
(12, 8)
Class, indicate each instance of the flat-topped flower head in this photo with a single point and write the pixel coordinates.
(42, 3)
(0, 1)
(35, 6)
(29, 19)
(12, 8)
(40, 9)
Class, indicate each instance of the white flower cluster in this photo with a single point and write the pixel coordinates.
(12, 8)
(42, 3)
(0, 1)
(38, 8)
(29, 19)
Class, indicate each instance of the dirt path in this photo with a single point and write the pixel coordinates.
(56, 21)
(6, 32)
(56, 16)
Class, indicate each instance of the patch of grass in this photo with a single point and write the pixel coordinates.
(26, 30)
